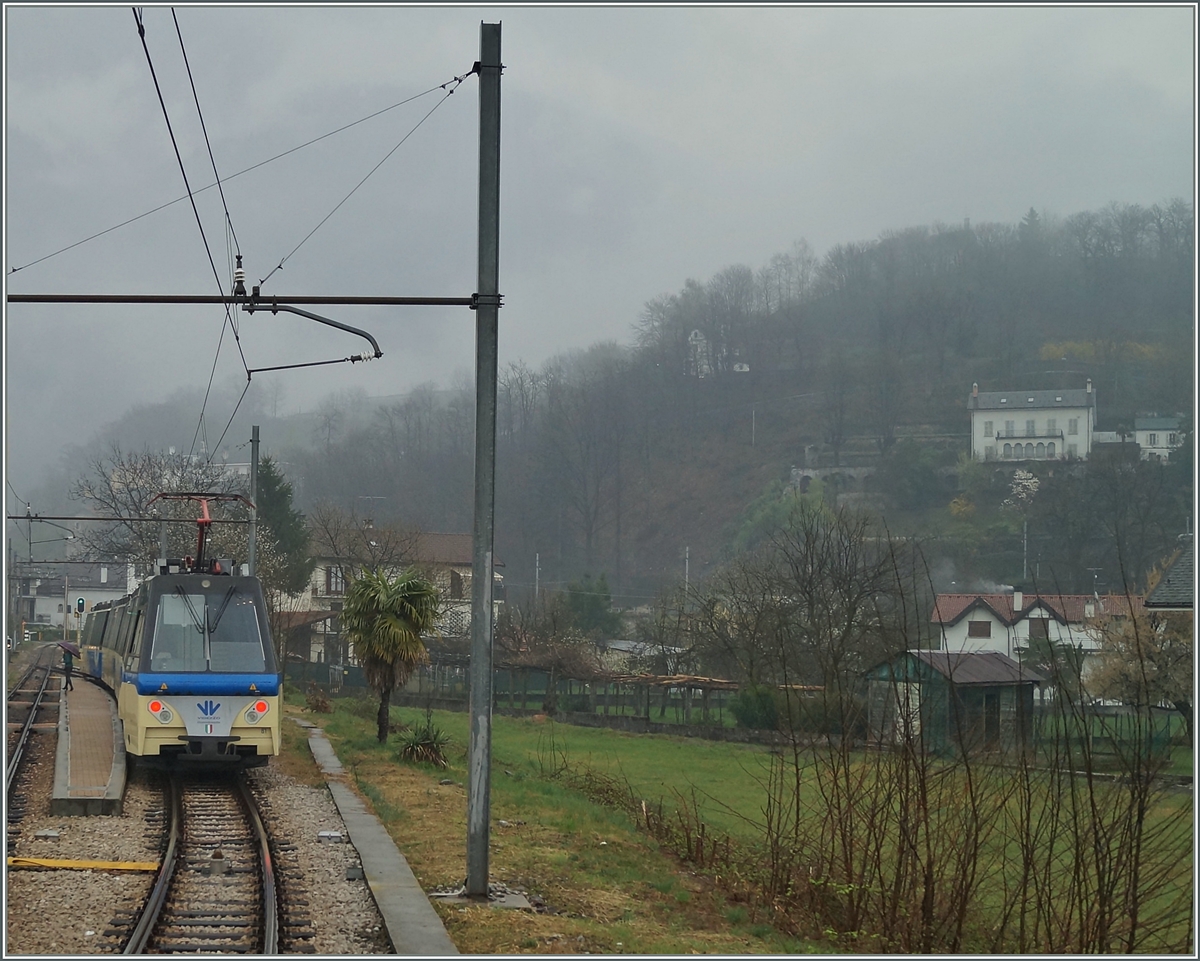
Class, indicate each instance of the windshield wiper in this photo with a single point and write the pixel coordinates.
(212, 627)
(199, 624)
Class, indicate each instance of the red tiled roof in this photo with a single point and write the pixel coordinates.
(1067, 608)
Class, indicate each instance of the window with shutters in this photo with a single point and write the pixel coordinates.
(979, 628)
(1039, 628)
(335, 580)
(1073, 425)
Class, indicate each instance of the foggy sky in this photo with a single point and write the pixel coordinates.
(640, 147)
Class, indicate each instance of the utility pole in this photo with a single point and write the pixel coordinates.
(479, 752)
(537, 579)
(253, 497)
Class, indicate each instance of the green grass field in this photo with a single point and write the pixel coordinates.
(726, 783)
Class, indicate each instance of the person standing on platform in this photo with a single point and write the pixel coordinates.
(68, 665)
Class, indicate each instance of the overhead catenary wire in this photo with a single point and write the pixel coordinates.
(450, 86)
(244, 170)
(213, 452)
(204, 128)
(137, 16)
(19, 498)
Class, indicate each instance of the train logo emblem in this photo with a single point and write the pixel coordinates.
(208, 708)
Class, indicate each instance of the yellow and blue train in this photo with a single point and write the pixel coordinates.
(190, 659)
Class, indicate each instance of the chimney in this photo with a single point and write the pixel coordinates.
(1018, 602)
(1089, 386)
(975, 389)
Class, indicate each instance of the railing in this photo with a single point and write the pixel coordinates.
(1023, 434)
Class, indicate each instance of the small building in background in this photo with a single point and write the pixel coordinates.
(1158, 436)
(945, 702)
(47, 593)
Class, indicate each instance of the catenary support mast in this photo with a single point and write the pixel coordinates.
(479, 755)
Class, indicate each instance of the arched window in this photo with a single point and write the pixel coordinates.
(1008, 450)
(1041, 451)
(1050, 449)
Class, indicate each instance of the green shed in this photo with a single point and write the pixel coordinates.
(951, 702)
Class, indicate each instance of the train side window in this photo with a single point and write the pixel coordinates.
(135, 634)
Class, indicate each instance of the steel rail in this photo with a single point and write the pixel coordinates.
(24, 677)
(152, 909)
(142, 936)
(14, 762)
(270, 906)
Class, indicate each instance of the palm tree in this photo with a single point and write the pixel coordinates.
(384, 620)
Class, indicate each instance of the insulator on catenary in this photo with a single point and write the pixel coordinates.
(356, 358)
(239, 279)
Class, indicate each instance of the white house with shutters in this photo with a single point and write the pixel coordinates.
(1032, 424)
(1158, 436)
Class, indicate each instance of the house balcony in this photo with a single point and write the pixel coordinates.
(1030, 445)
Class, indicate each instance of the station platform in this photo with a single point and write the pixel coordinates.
(89, 767)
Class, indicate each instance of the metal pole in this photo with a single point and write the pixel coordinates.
(253, 497)
(479, 755)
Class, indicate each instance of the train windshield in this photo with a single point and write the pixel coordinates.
(207, 631)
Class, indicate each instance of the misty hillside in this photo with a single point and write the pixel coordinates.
(621, 458)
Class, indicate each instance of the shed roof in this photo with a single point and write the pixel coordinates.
(291, 620)
(978, 667)
(1176, 589)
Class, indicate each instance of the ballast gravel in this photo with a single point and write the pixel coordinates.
(66, 912)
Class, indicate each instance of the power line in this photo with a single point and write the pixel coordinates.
(204, 128)
(244, 170)
(15, 494)
(137, 16)
(455, 82)
(213, 452)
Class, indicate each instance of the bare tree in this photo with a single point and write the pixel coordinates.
(121, 484)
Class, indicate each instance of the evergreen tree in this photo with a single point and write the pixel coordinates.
(283, 526)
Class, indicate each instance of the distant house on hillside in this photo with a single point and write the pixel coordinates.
(1031, 424)
(1158, 436)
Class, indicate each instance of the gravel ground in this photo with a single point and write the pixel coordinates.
(62, 912)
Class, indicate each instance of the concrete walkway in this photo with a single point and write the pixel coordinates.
(413, 925)
(89, 763)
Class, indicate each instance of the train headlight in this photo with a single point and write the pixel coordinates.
(256, 710)
(160, 711)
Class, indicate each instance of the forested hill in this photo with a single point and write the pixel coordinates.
(621, 458)
(635, 460)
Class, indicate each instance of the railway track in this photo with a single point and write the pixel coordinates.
(215, 891)
(25, 701)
